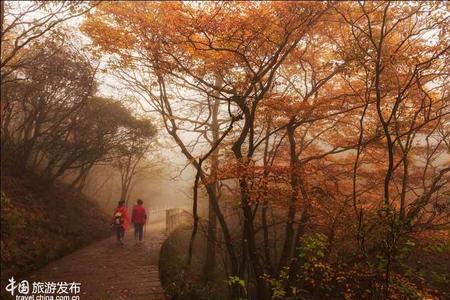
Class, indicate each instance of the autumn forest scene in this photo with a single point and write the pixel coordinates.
(200, 150)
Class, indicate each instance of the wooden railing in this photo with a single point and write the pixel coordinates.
(176, 217)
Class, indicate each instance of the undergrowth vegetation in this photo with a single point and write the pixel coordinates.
(42, 223)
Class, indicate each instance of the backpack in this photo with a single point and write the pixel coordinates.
(118, 218)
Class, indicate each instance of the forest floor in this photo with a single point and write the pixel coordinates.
(109, 270)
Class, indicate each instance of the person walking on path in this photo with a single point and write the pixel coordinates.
(120, 220)
(138, 218)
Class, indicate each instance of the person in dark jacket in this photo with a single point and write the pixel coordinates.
(138, 218)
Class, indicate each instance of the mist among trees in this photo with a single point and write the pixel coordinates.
(316, 135)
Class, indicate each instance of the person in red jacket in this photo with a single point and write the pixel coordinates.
(120, 220)
(139, 217)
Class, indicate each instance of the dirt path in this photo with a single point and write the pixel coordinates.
(108, 270)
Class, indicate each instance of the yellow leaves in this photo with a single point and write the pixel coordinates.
(204, 36)
(107, 37)
(287, 106)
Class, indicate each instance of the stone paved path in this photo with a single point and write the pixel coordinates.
(108, 270)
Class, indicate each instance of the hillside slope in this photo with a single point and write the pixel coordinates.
(40, 224)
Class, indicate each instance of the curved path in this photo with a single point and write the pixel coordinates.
(108, 270)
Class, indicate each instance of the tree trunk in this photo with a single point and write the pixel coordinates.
(210, 260)
(292, 208)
